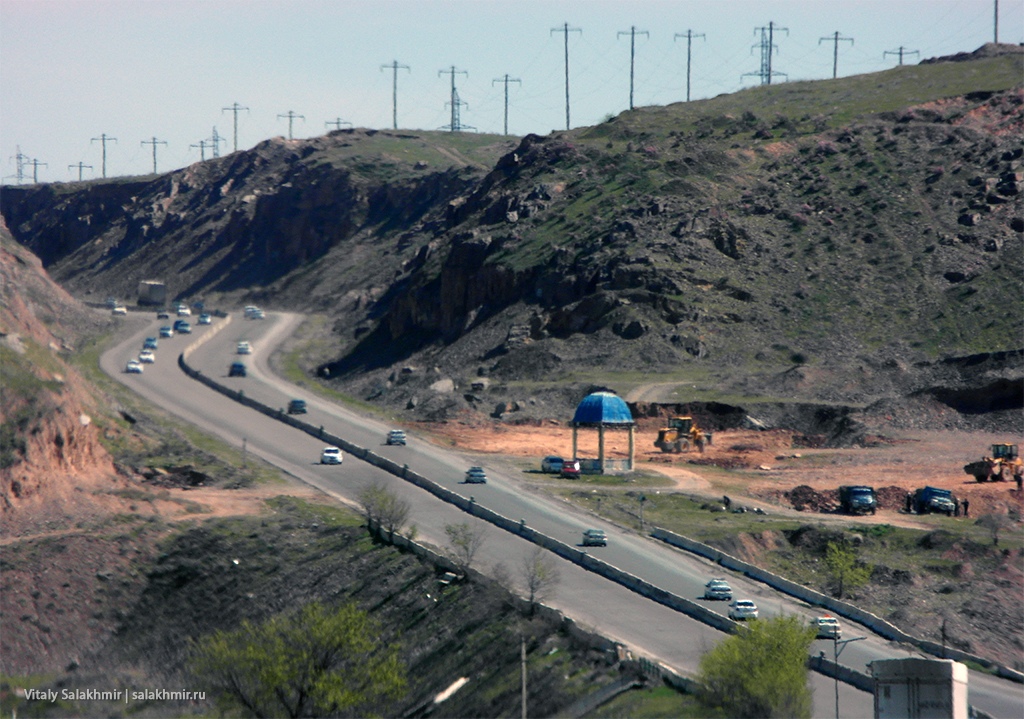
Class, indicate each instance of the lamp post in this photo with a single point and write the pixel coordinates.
(643, 499)
(836, 651)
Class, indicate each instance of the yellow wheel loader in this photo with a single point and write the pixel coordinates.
(681, 435)
(1003, 464)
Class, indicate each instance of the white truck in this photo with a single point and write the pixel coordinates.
(915, 688)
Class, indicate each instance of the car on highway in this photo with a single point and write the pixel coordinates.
(237, 369)
(243, 348)
(147, 357)
(205, 319)
(742, 609)
(551, 465)
(183, 311)
(167, 331)
(570, 469)
(594, 538)
(717, 589)
(297, 406)
(149, 343)
(476, 475)
(828, 627)
(182, 327)
(396, 437)
(162, 315)
(331, 455)
(133, 367)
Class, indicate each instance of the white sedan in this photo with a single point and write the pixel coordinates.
(133, 367)
(147, 357)
(330, 455)
(742, 609)
(243, 348)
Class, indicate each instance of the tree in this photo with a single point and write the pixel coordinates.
(316, 662)
(995, 524)
(384, 509)
(760, 671)
(845, 570)
(465, 540)
(539, 575)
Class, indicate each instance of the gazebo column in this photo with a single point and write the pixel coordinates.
(600, 446)
(575, 429)
(632, 445)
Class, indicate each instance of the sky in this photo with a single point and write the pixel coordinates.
(139, 71)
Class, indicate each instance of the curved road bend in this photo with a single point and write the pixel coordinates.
(646, 626)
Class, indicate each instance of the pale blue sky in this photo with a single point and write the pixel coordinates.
(71, 70)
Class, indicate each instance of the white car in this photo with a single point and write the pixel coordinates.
(330, 455)
(476, 475)
(717, 589)
(244, 348)
(184, 311)
(133, 367)
(828, 627)
(205, 319)
(742, 609)
(119, 310)
(147, 357)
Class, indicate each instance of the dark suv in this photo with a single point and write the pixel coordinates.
(237, 369)
(297, 406)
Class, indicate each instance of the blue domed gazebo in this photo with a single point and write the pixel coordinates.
(601, 410)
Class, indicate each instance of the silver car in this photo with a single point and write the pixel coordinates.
(718, 589)
(742, 609)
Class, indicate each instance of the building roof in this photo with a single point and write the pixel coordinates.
(602, 408)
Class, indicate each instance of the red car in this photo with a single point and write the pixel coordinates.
(571, 469)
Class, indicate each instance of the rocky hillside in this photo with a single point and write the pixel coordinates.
(848, 241)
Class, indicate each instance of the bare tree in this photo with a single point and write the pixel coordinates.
(995, 524)
(539, 574)
(464, 542)
(384, 509)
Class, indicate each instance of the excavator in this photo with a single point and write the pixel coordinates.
(1004, 463)
(680, 435)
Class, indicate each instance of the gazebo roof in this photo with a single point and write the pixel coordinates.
(602, 408)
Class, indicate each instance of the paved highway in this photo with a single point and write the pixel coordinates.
(641, 624)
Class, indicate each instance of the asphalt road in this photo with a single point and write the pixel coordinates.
(645, 626)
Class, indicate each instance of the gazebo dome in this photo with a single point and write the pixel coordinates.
(602, 408)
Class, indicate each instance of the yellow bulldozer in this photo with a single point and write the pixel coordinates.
(1003, 464)
(681, 435)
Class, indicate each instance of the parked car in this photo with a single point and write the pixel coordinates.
(297, 406)
(717, 589)
(111, 303)
(182, 327)
(244, 348)
(551, 464)
(857, 499)
(331, 455)
(570, 469)
(133, 367)
(237, 369)
(476, 475)
(149, 343)
(119, 310)
(594, 538)
(167, 331)
(742, 609)
(828, 627)
(162, 315)
(147, 357)
(205, 319)
(396, 436)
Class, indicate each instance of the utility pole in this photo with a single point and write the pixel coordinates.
(565, 29)
(456, 103)
(215, 140)
(995, 36)
(689, 35)
(235, 109)
(202, 149)
(901, 51)
(338, 122)
(836, 651)
(154, 142)
(35, 170)
(767, 46)
(835, 50)
(506, 80)
(394, 90)
(80, 165)
(633, 32)
(103, 141)
(291, 115)
(522, 665)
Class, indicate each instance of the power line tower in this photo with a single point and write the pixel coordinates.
(80, 165)
(235, 108)
(338, 122)
(215, 140)
(689, 35)
(291, 115)
(395, 66)
(202, 145)
(154, 142)
(767, 46)
(836, 39)
(20, 160)
(565, 29)
(901, 51)
(506, 80)
(35, 169)
(456, 104)
(632, 32)
(103, 139)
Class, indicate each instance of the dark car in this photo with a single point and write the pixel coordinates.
(297, 406)
(182, 327)
(163, 315)
(237, 369)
